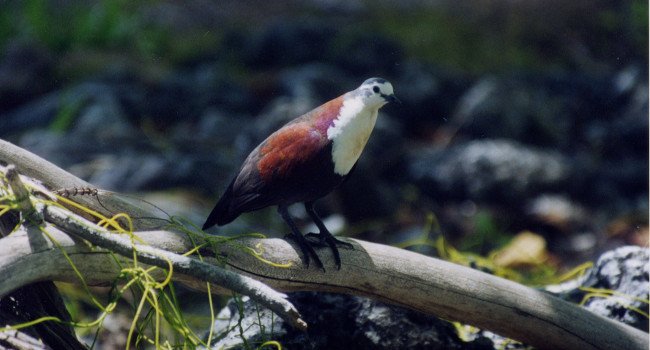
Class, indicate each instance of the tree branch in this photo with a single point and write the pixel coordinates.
(12, 339)
(386, 273)
(390, 274)
(25, 205)
(55, 178)
(192, 267)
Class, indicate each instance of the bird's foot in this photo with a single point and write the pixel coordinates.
(320, 240)
(307, 250)
(327, 239)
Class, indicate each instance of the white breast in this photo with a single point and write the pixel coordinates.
(350, 133)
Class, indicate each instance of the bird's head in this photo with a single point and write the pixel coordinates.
(376, 92)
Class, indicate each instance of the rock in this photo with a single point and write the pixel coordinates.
(428, 97)
(490, 170)
(213, 86)
(288, 42)
(26, 71)
(356, 322)
(217, 144)
(133, 170)
(599, 121)
(617, 163)
(257, 325)
(623, 276)
(622, 272)
(318, 82)
(563, 111)
(86, 130)
(72, 127)
(129, 171)
(340, 321)
(186, 94)
(557, 211)
(301, 89)
(567, 226)
(367, 54)
(520, 108)
(62, 109)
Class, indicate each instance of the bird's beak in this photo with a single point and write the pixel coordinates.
(392, 99)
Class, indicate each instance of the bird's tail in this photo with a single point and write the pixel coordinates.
(222, 213)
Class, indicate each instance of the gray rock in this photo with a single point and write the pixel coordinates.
(45, 110)
(527, 109)
(429, 96)
(26, 71)
(302, 89)
(339, 321)
(288, 42)
(257, 325)
(491, 170)
(89, 121)
(623, 272)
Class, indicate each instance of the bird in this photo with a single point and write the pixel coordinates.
(305, 160)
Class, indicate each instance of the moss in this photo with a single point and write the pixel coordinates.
(66, 115)
(455, 42)
(505, 36)
(474, 37)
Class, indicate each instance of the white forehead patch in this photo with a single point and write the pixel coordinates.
(386, 88)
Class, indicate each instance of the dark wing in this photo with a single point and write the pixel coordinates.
(265, 178)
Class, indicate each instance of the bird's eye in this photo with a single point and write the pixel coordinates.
(375, 89)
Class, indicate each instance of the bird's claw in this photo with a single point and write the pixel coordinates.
(320, 240)
(315, 239)
(311, 240)
(327, 239)
(307, 250)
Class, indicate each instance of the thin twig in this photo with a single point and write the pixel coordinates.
(53, 177)
(119, 244)
(390, 274)
(14, 339)
(21, 194)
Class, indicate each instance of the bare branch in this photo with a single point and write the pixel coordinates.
(13, 339)
(122, 245)
(21, 194)
(386, 273)
(55, 178)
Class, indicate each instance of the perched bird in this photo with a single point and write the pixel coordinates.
(305, 160)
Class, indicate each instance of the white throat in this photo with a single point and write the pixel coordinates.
(350, 132)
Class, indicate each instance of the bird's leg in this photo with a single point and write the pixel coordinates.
(296, 236)
(324, 236)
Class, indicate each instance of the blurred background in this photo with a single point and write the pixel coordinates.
(524, 124)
